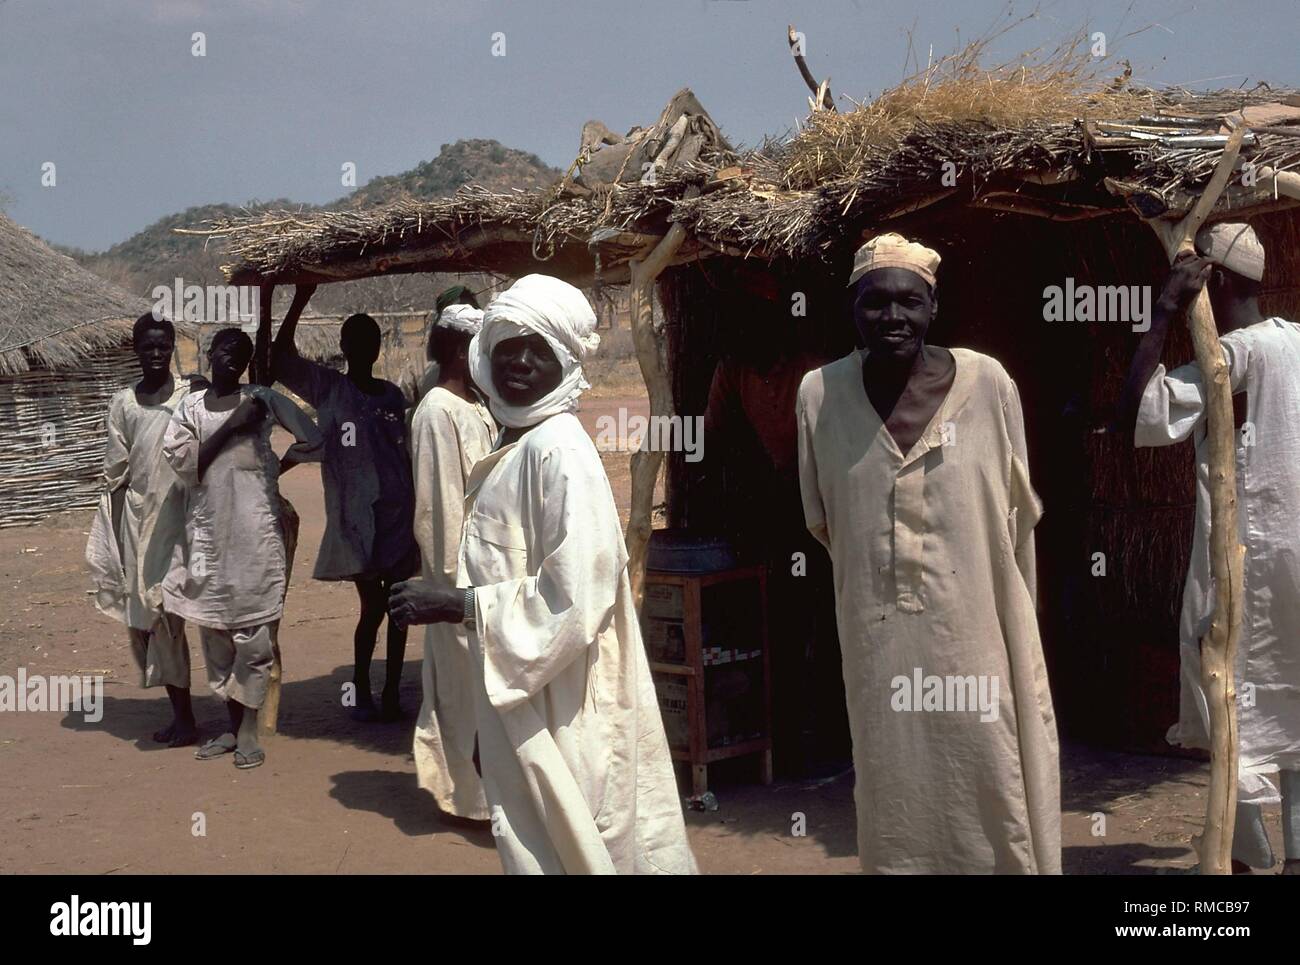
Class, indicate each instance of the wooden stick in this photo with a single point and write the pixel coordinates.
(654, 371)
(823, 90)
(1219, 645)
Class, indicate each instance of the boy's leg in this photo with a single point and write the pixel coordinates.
(219, 657)
(254, 657)
(170, 652)
(395, 655)
(374, 602)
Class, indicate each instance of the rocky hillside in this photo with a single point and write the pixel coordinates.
(156, 255)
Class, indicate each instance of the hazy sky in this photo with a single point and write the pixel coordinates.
(289, 90)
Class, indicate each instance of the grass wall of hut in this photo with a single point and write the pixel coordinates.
(52, 434)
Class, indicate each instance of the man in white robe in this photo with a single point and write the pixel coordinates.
(450, 432)
(575, 763)
(913, 470)
(141, 517)
(1263, 357)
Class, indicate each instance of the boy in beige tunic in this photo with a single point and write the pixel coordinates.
(228, 575)
(913, 471)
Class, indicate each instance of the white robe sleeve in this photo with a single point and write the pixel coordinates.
(1025, 507)
(181, 444)
(814, 510)
(531, 629)
(307, 435)
(1173, 403)
(117, 451)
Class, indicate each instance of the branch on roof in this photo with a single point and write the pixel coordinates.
(822, 91)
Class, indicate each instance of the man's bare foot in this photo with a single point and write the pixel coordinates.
(184, 733)
(392, 709)
(1240, 867)
(365, 711)
(165, 735)
(1291, 866)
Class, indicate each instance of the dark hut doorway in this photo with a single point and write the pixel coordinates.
(1114, 541)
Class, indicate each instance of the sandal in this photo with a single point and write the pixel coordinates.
(213, 749)
(248, 761)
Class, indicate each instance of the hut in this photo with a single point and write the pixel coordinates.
(1022, 179)
(65, 348)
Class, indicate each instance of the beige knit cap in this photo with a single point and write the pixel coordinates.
(894, 251)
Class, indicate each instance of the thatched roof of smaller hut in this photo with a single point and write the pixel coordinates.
(53, 312)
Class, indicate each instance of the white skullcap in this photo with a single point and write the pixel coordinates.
(1235, 246)
(892, 250)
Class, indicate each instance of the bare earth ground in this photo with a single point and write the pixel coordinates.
(336, 796)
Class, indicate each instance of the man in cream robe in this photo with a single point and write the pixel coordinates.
(141, 518)
(1263, 357)
(932, 550)
(449, 434)
(575, 762)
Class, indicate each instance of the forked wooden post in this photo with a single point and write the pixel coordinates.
(1219, 645)
(654, 371)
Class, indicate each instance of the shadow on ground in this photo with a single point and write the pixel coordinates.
(397, 797)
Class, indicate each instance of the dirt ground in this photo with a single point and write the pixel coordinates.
(335, 796)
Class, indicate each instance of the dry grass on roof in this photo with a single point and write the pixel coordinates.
(53, 312)
(1036, 90)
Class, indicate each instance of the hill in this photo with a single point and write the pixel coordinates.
(156, 255)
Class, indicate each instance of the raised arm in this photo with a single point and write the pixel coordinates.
(287, 366)
(284, 344)
(1187, 277)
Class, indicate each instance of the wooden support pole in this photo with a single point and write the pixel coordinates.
(261, 369)
(269, 715)
(1219, 645)
(652, 359)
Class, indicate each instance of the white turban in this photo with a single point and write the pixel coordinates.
(462, 318)
(545, 306)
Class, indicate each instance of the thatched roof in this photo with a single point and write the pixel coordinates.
(53, 312)
(1014, 145)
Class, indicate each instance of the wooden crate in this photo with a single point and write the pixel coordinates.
(706, 636)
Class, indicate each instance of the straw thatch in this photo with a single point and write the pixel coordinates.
(53, 313)
(64, 350)
(1051, 140)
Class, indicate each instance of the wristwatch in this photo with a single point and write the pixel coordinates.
(467, 616)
